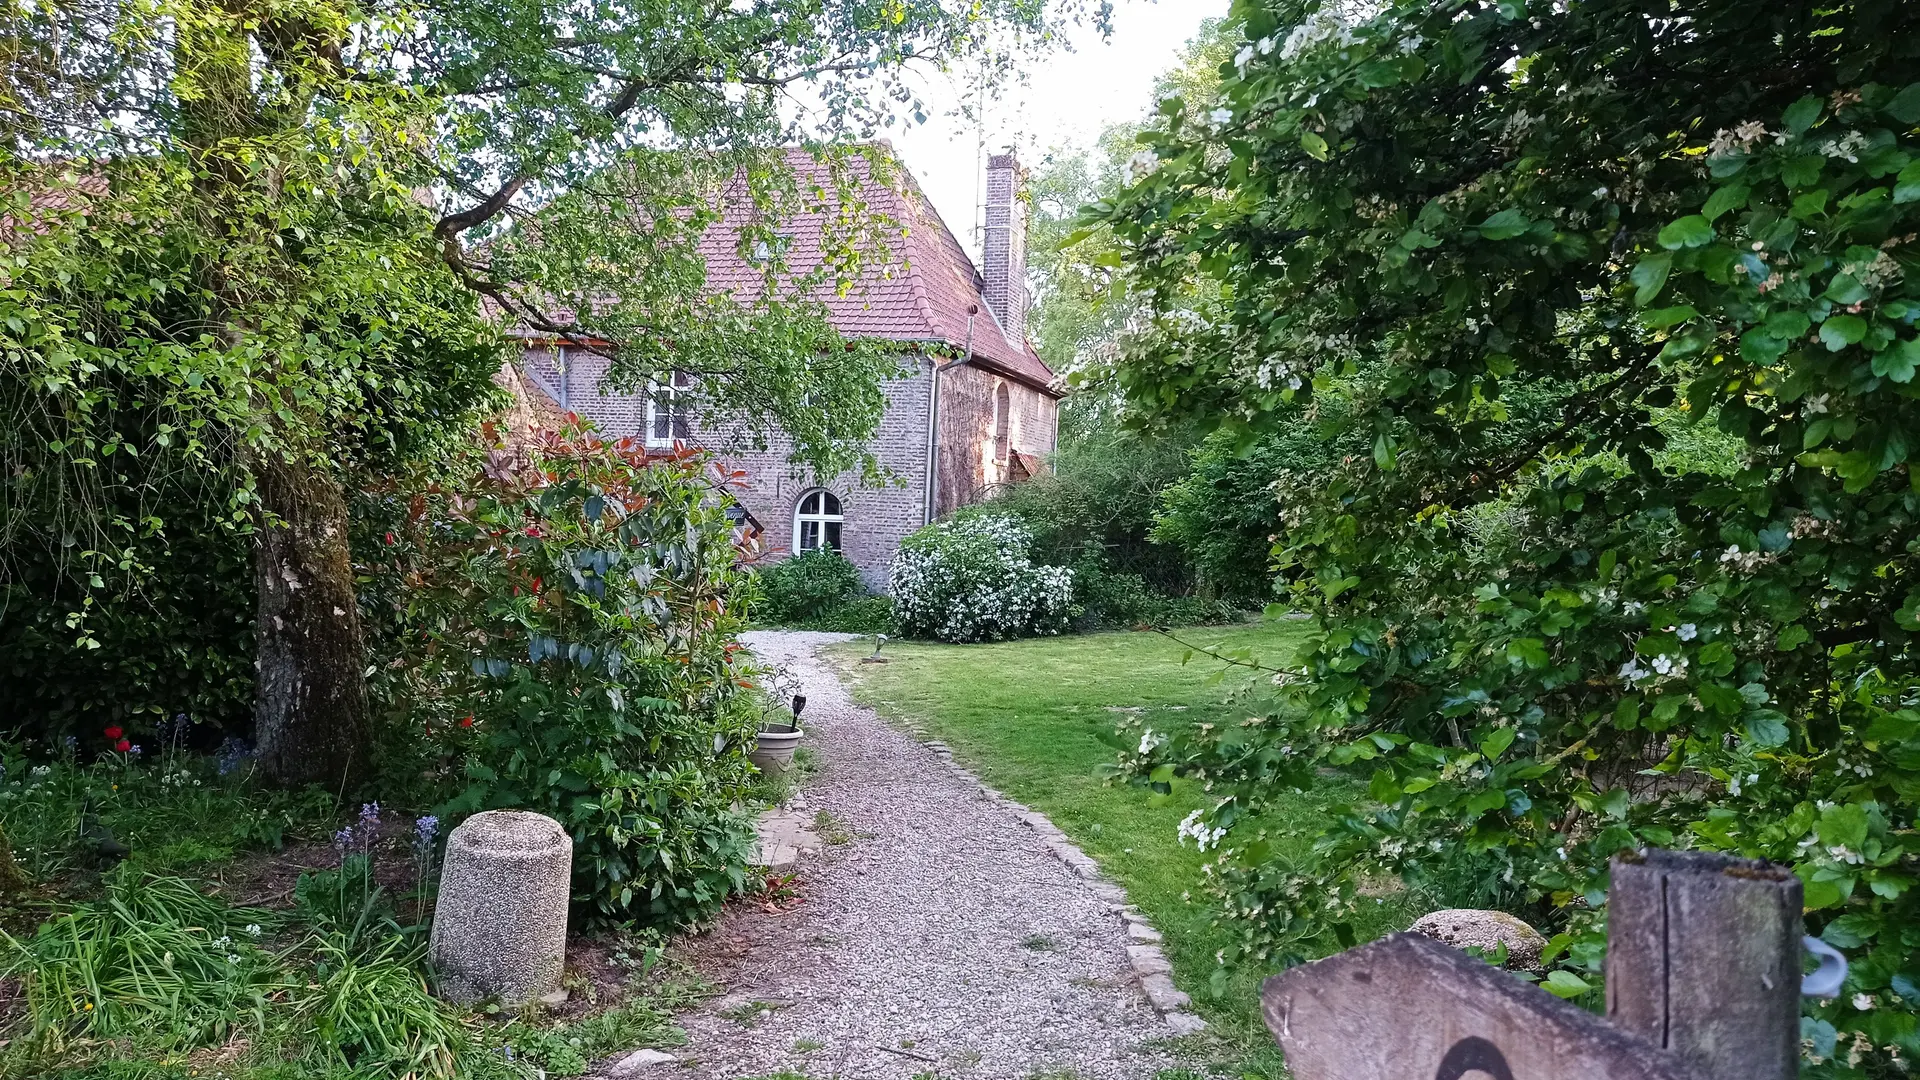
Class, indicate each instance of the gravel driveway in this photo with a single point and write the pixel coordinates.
(941, 936)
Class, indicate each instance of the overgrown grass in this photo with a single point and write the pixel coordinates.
(130, 965)
(1026, 716)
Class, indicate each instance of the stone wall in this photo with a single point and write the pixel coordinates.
(877, 517)
(970, 469)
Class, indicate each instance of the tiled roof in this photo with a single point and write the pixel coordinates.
(921, 293)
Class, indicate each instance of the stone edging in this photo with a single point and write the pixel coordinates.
(1149, 963)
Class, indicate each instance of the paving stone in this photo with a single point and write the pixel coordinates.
(1165, 996)
(1185, 1023)
(1148, 960)
(1140, 931)
(638, 1062)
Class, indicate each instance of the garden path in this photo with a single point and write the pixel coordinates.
(939, 935)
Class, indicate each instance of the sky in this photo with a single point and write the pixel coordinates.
(1070, 96)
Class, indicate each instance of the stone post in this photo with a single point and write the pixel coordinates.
(500, 925)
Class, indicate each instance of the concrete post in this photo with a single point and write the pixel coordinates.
(500, 925)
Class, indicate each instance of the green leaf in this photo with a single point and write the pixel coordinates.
(1691, 231)
(1505, 225)
(1809, 205)
(1731, 197)
(1661, 318)
(1650, 276)
(1801, 114)
(1897, 362)
(1564, 984)
(1906, 186)
(1497, 741)
(1314, 145)
(1840, 331)
(1767, 728)
(1529, 651)
(1905, 106)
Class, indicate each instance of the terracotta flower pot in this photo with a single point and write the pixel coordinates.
(774, 751)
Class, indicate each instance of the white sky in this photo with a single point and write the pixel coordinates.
(1071, 95)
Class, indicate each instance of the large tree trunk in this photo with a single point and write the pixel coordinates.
(310, 694)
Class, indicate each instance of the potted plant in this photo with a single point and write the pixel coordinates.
(773, 752)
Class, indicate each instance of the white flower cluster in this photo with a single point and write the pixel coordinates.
(1194, 829)
(971, 579)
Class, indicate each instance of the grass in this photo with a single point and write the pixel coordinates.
(1025, 716)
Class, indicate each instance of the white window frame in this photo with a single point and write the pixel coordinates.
(676, 416)
(821, 518)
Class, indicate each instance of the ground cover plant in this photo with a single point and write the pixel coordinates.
(1035, 719)
(1495, 259)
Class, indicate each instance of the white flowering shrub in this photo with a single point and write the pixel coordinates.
(971, 579)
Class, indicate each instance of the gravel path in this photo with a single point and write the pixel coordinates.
(944, 935)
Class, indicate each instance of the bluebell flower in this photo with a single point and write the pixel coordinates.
(424, 831)
(344, 838)
(370, 815)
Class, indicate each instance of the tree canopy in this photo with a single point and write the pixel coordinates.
(254, 237)
(1603, 315)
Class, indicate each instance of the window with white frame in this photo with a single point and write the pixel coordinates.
(817, 521)
(668, 415)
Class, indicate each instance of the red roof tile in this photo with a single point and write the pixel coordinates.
(920, 293)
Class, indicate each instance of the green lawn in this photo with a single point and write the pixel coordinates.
(1023, 715)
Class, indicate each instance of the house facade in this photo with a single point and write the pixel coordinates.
(974, 410)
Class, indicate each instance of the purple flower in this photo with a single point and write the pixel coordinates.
(232, 754)
(134, 749)
(424, 830)
(344, 838)
(370, 815)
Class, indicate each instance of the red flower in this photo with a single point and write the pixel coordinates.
(390, 540)
(467, 722)
(113, 732)
(123, 746)
(533, 531)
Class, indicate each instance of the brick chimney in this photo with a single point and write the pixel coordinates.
(1003, 250)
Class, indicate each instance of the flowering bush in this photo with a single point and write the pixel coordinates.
(1502, 262)
(580, 608)
(970, 579)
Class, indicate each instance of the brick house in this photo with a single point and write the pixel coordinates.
(959, 425)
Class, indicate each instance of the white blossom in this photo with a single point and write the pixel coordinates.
(1141, 165)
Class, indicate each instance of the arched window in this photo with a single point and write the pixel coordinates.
(1002, 423)
(817, 521)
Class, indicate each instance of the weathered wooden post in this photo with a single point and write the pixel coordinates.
(1703, 983)
(1703, 959)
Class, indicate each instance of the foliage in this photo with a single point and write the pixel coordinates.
(971, 579)
(1095, 506)
(1118, 600)
(581, 607)
(271, 264)
(805, 587)
(152, 955)
(1429, 218)
(170, 808)
(866, 615)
